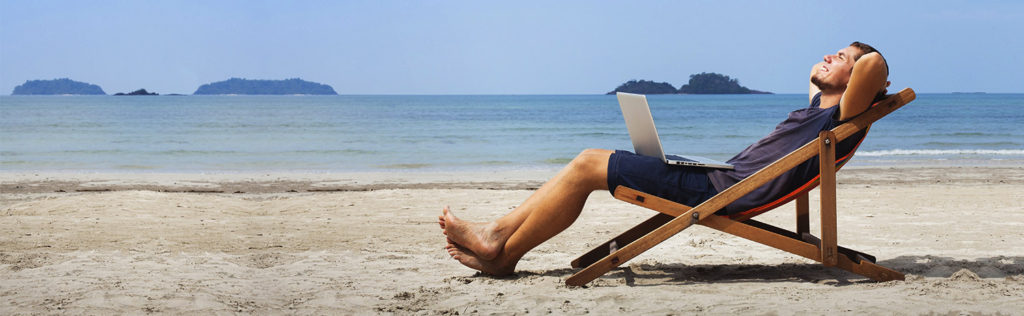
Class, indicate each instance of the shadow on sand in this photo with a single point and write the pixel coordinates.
(660, 274)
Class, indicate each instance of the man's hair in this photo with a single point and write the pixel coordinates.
(867, 49)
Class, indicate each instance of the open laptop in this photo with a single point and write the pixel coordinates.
(645, 138)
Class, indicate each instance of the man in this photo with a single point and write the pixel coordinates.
(843, 85)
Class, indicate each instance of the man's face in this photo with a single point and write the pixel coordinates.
(833, 72)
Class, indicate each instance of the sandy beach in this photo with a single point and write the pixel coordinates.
(365, 243)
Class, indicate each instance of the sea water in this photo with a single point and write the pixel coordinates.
(475, 132)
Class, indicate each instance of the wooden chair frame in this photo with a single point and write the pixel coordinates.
(674, 217)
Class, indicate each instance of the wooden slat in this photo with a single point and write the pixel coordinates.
(802, 210)
(621, 240)
(770, 237)
(612, 260)
(668, 210)
(869, 269)
(630, 251)
(763, 236)
(650, 201)
(852, 260)
(771, 228)
(827, 187)
(807, 238)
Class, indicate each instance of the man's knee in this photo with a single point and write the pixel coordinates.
(591, 157)
(592, 164)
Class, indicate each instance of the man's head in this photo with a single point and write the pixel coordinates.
(833, 72)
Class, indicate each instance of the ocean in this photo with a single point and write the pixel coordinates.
(201, 134)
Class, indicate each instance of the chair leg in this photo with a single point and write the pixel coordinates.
(870, 269)
(667, 211)
(851, 260)
(802, 210)
(630, 251)
(827, 164)
(622, 240)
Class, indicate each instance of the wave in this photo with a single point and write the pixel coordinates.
(970, 134)
(494, 163)
(404, 166)
(558, 161)
(941, 152)
(137, 167)
(337, 152)
(988, 144)
(596, 134)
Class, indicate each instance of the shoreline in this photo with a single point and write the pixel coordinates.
(294, 182)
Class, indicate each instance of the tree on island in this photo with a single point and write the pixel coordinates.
(265, 87)
(645, 87)
(57, 87)
(713, 83)
(138, 92)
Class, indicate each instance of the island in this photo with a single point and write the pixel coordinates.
(645, 87)
(713, 83)
(138, 92)
(265, 87)
(702, 83)
(62, 86)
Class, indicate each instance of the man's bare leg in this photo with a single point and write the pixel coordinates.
(497, 246)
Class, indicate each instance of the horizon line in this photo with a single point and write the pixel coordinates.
(473, 94)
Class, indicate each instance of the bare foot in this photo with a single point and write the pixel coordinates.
(484, 240)
(469, 259)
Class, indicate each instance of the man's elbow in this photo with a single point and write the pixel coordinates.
(874, 63)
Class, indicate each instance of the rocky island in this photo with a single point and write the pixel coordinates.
(645, 87)
(57, 87)
(702, 83)
(265, 87)
(138, 92)
(712, 83)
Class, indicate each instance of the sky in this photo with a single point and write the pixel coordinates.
(510, 47)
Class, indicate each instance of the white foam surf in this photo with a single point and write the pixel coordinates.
(941, 152)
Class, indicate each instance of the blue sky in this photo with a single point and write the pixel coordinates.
(516, 47)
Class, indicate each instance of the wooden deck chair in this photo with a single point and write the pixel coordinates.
(674, 217)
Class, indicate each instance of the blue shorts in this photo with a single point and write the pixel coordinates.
(687, 185)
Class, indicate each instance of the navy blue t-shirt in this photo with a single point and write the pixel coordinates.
(800, 127)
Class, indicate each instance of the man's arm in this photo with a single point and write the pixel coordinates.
(868, 78)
